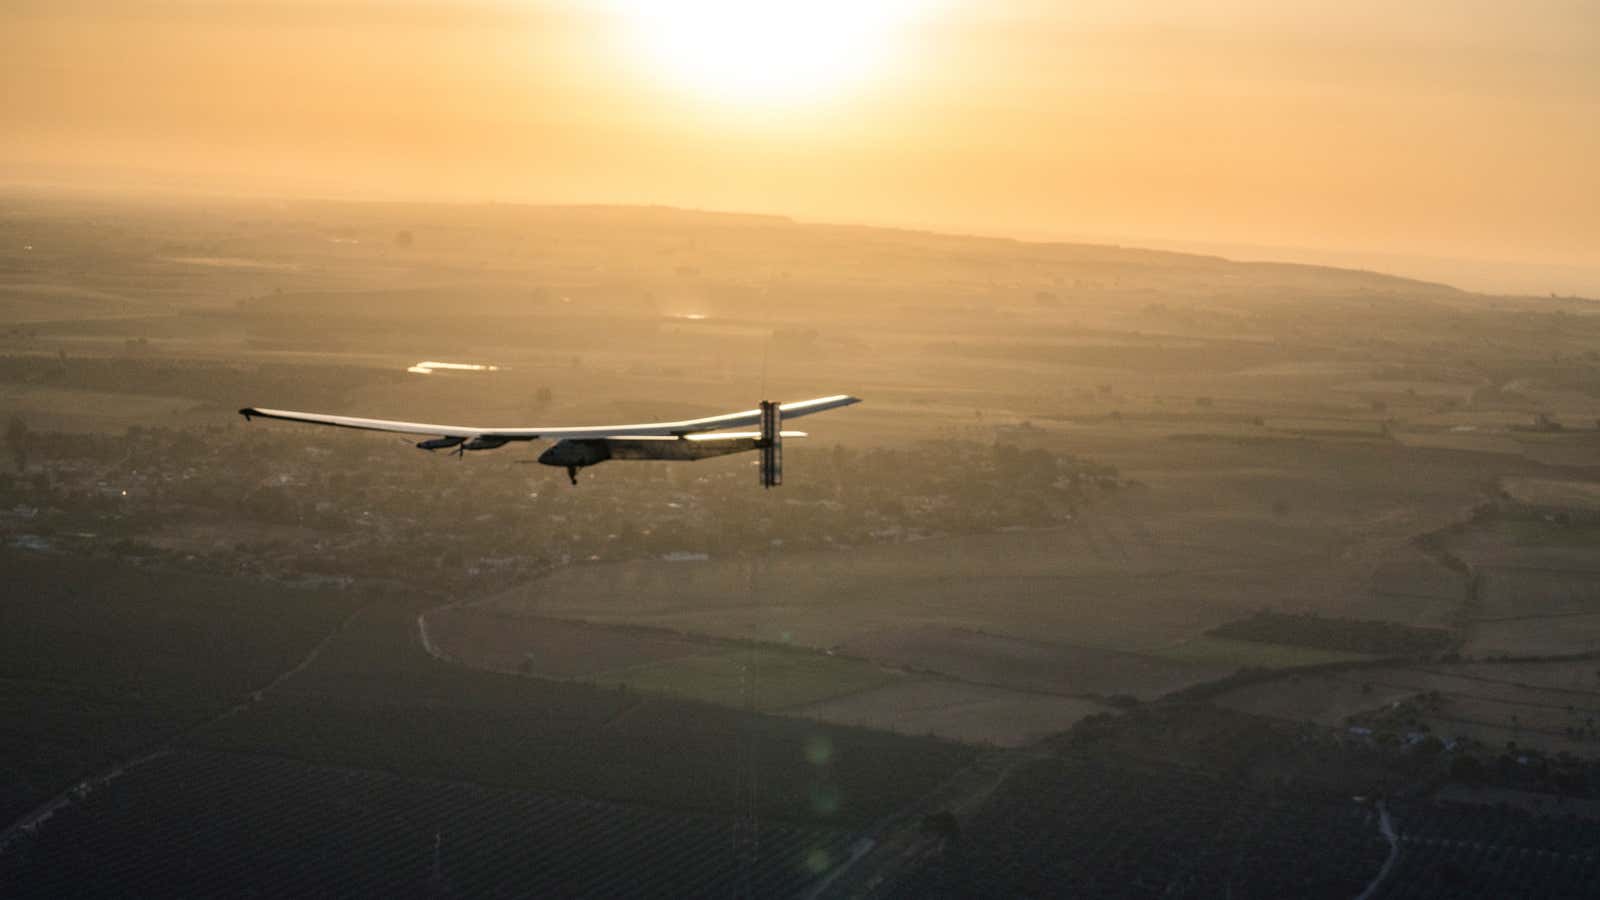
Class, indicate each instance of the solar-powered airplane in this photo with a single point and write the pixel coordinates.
(576, 448)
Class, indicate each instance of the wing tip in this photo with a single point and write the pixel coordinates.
(249, 412)
(839, 399)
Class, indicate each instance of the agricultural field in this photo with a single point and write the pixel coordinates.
(866, 685)
(1448, 850)
(1327, 700)
(1550, 635)
(1416, 588)
(1554, 494)
(1360, 637)
(1575, 450)
(75, 410)
(375, 699)
(1328, 428)
(148, 629)
(1553, 706)
(1074, 468)
(1579, 675)
(57, 735)
(1514, 539)
(159, 830)
(1461, 438)
(1030, 665)
(954, 710)
(1084, 827)
(1152, 803)
(101, 660)
(1532, 580)
(1231, 654)
(549, 648)
(759, 678)
(1538, 804)
(26, 303)
(1507, 593)
(1196, 545)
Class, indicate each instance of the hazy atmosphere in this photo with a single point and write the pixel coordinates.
(1456, 129)
(887, 450)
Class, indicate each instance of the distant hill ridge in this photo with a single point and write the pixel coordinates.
(560, 261)
(678, 218)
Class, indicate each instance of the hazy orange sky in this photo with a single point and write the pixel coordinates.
(1461, 128)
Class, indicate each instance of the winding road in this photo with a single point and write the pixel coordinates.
(1386, 828)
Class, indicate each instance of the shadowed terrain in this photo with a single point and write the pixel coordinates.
(1108, 518)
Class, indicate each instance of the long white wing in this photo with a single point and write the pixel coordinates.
(664, 429)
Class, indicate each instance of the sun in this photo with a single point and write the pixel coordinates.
(772, 52)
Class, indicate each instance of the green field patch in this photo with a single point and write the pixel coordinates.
(1512, 593)
(1308, 427)
(954, 710)
(374, 699)
(1536, 636)
(1227, 651)
(774, 679)
(1546, 533)
(1337, 635)
(1550, 492)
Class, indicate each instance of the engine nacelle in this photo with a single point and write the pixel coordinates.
(443, 443)
(482, 442)
(576, 453)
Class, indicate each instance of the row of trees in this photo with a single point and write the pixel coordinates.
(1378, 638)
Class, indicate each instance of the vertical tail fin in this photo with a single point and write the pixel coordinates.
(771, 444)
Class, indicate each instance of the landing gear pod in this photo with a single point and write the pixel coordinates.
(573, 455)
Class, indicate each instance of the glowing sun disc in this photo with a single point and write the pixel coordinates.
(763, 50)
